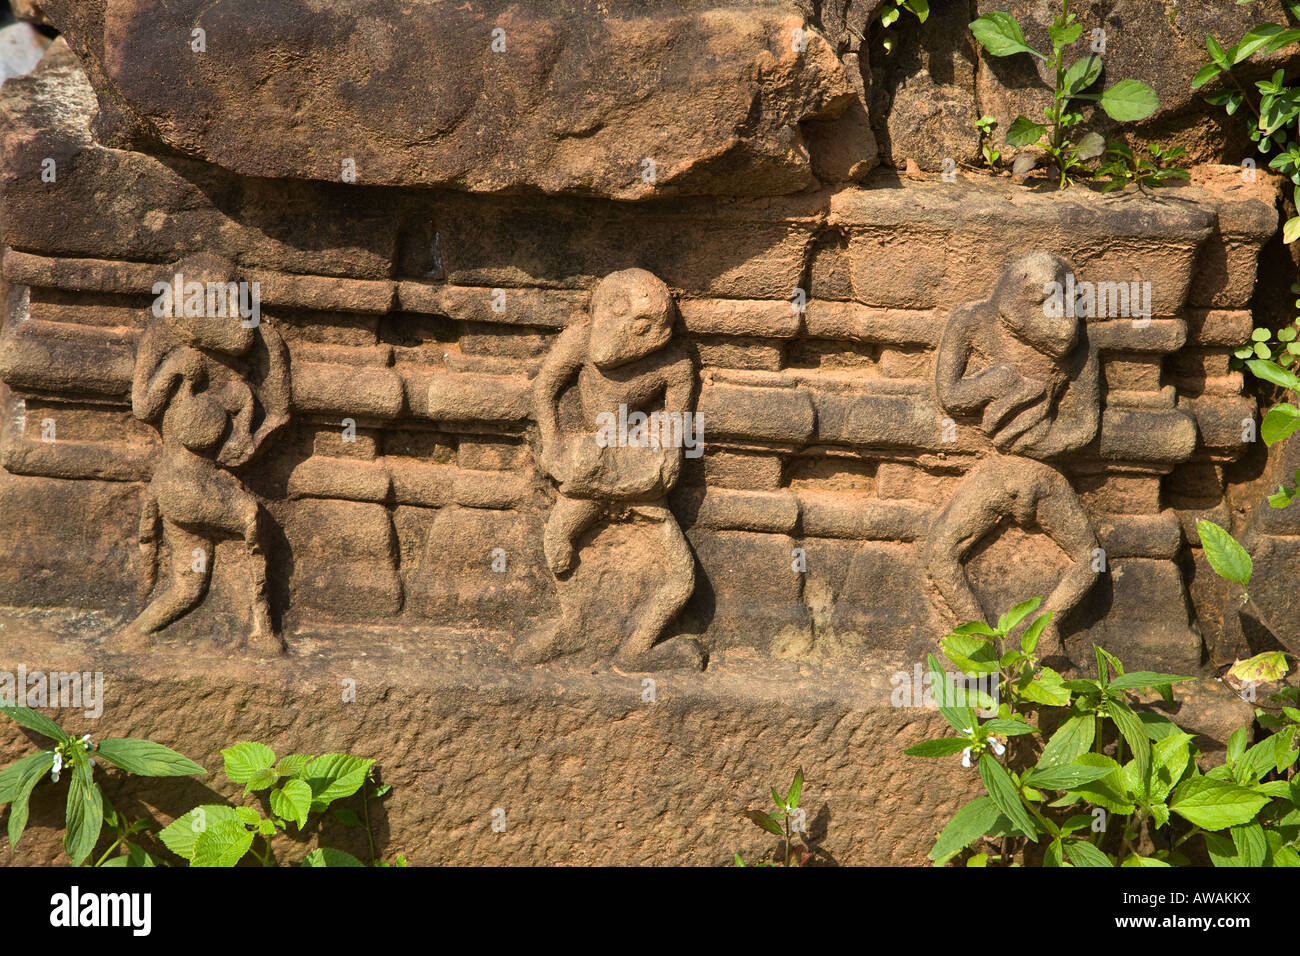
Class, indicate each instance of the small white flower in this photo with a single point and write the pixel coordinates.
(58, 765)
(997, 746)
(965, 757)
(85, 739)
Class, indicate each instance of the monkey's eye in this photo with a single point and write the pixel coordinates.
(641, 326)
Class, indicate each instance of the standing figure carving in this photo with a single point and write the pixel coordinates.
(627, 372)
(216, 386)
(1020, 360)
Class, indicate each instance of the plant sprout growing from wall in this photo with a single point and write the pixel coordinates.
(999, 34)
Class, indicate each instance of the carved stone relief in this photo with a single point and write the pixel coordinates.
(216, 387)
(1021, 361)
(617, 454)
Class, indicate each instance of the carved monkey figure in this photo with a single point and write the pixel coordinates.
(216, 388)
(1037, 379)
(621, 358)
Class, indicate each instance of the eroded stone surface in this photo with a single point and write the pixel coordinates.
(572, 100)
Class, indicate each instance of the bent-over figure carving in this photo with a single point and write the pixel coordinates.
(216, 389)
(624, 362)
(1033, 378)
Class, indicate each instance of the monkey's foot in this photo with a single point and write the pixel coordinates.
(262, 639)
(544, 643)
(560, 555)
(133, 637)
(674, 654)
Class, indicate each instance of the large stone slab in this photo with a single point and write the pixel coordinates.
(641, 99)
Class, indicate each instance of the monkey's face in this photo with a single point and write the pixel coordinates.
(631, 317)
(1023, 297)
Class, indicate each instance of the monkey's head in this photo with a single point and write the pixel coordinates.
(631, 317)
(1024, 301)
(217, 333)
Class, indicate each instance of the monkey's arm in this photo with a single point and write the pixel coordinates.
(957, 391)
(157, 374)
(1078, 413)
(562, 362)
(679, 398)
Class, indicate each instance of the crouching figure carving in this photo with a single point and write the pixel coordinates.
(217, 387)
(615, 454)
(1032, 376)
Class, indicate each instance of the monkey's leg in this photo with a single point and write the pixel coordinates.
(187, 579)
(261, 635)
(569, 519)
(640, 651)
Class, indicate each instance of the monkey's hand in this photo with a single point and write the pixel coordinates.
(1026, 392)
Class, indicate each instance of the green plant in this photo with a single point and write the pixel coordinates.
(87, 809)
(1275, 110)
(1104, 753)
(999, 34)
(783, 824)
(297, 786)
(986, 125)
(893, 9)
(1126, 166)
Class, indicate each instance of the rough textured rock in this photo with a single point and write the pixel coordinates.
(676, 98)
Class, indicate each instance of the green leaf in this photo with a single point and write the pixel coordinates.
(1272, 372)
(25, 774)
(966, 826)
(950, 700)
(222, 844)
(346, 816)
(1140, 679)
(1215, 804)
(1082, 74)
(943, 747)
(244, 760)
(12, 777)
(1007, 622)
(1291, 230)
(292, 802)
(796, 789)
(1205, 74)
(1253, 39)
(1003, 791)
(1268, 666)
(1071, 740)
(1129, 100)
(1083, 853)
(761, 819)
(1109, 791)
(1144, 861)
(1131, 727)
(1046, 688)
(919, 7)
(334, 776)
(1009, 728)
(1000, 35)
(1217, 53)
(1227, 558)
(85, 812)
(33, 720)
(974, 655)
(181, 835)
(1065, 776)
(1029, 639)
(1281, 421)
(1025, 132)
(325, 856)
(1251, 845)
(293, 764)
(146, 758)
